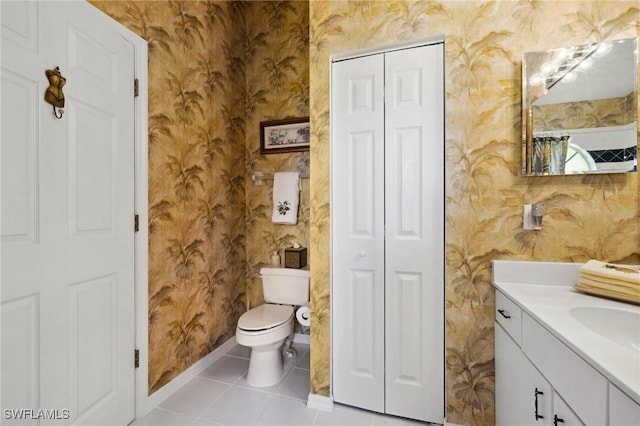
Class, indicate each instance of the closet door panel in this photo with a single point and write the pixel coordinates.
(357, 210)
(414, 253)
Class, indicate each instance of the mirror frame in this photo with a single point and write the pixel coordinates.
(532, 63)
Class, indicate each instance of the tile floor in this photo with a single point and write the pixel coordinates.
(220, 395)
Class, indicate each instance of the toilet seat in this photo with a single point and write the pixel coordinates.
(265, 317)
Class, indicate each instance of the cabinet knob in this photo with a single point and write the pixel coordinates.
(362, 253)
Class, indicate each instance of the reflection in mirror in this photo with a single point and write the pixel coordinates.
(580, 107)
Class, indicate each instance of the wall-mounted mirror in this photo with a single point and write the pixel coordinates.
(579, 109)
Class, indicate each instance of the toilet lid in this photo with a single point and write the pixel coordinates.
(265, 316)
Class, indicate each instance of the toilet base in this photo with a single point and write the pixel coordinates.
(266, 365)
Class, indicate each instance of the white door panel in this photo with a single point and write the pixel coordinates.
(387, 222)
(20, 347)
(67, 214)
(19, 159)
(358, 239)
(20, 25)
(414, 255)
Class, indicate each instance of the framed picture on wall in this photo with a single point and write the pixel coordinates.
(289, 135)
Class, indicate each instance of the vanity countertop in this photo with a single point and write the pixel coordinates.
(549, 297)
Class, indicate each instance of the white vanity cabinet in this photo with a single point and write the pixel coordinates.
(540, 381)
(579, 350)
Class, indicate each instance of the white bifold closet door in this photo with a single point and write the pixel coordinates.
(388, 232)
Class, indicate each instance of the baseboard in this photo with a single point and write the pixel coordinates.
(320, 402)
(183, 378)
(301, 338)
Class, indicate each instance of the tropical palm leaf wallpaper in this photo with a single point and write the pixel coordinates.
(277, 87)
(218, 68)
(586, 114)
(586, 217)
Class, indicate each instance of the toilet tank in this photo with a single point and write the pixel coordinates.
(285, 285)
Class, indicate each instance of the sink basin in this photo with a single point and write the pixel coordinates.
(618, 325)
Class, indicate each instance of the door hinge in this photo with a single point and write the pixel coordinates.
(136, 88)
(136, 223)
(136, 355)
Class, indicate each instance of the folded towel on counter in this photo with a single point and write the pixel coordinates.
(629, 273)
(611, 284)
(621, 282)
(633, 291)
(286, 186)
(610, 294)
(609, 281)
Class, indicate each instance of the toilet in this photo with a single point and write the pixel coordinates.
(265, 328)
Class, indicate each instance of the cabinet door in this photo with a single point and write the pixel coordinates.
(516, 383)
(623, 411)
(357, 243)
(562, 414)
(584, 388)
(414, 236)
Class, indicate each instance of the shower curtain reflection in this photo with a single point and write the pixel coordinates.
(549, 154)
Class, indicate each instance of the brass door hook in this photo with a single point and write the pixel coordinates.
(54, 94)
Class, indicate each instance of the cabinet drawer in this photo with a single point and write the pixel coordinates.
(581, 386)
(509, 316)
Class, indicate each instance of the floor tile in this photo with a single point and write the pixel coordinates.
(227, 369)
(290, 362)
(160, 417)
(195, 396)
(239, 406)
(343, 415)
(203, 422)
(296, 384)
(304, 360)
(220, 396)
(283, 411)
(242, 382)
(240, 351)
(300, 347)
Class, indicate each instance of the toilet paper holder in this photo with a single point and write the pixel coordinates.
(303, 315)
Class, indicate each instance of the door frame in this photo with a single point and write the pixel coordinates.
(141, 207)
(342, 56)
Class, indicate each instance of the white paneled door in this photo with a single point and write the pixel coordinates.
(388, 232)
(357, 164)
(67, 218)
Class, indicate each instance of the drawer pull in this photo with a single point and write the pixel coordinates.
(536, 393)
(557, 420)
(501, 312)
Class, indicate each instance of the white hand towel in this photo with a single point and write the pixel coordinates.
(286, 186)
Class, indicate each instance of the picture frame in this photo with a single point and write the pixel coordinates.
(288, 135)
